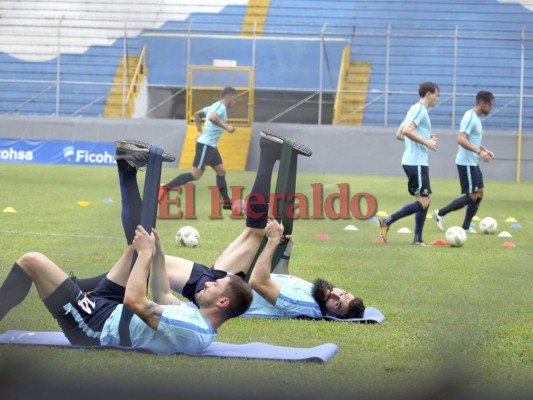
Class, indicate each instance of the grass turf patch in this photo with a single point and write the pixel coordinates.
(463, 309)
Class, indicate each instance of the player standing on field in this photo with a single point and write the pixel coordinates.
(415, 131)
(467, 160)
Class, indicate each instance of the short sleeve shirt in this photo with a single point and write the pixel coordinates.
(182, 329)
(294, 300)
(471, 125)
(416, 153)
(211, 134)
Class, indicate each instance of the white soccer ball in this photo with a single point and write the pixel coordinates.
(187, 236)
(488, 226)
(456, 236)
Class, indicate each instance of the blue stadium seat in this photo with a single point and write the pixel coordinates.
(422, 48)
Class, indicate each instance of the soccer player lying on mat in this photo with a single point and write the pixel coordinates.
(189, 278)
(164, 325)
(286, 296)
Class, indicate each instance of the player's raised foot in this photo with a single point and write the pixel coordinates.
(383, 230)
(439, 221)
(420, 243)
(135, 152)
(300, 148)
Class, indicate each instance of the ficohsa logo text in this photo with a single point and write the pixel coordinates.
(16, 155)
(84, 156)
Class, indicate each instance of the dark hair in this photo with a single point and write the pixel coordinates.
(484, 96)
(356, 308)
(228, 90)
(239, 294)
(426, 87)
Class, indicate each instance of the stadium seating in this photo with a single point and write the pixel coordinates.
(422, 47)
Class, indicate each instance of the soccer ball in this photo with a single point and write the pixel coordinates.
(456, 236)
(488, 225)
(187, 236)
(238, 207)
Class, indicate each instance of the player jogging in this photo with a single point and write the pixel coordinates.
(207, 154)
(467, 160)
(415, 131)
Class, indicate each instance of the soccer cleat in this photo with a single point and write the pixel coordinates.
(384, 229)
(439, 221)
(135, 152)
(470, 230)
(421, 243)
(300, 148)
(227, 205)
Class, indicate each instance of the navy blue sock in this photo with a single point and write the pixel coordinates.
(257, 214)
(181, 179)
(471, 211)
(420, 220)
(406, 210)
(456, 204)
(14, 289)
(131, 203)
(223, 187)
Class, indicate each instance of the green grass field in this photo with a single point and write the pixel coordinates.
(463, 312)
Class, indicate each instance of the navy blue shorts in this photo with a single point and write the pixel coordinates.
(471, 178)
(206, 156)
(418, 180)
(200, 275)
(81, 315)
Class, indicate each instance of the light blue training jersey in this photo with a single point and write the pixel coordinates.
(182, 329)
(212, 132)
(416, 153)
(471, 125)
(294, 300)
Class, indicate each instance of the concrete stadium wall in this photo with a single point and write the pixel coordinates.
(337, 150)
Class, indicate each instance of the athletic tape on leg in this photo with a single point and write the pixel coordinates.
(148, 221)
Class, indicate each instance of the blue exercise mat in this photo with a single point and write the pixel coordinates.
(320, 354)
(372, 316)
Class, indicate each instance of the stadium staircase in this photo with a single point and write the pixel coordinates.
(121, 100)
(351, 96)
(255, 17)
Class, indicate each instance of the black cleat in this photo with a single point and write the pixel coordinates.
(135, 152)
(300, 148)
